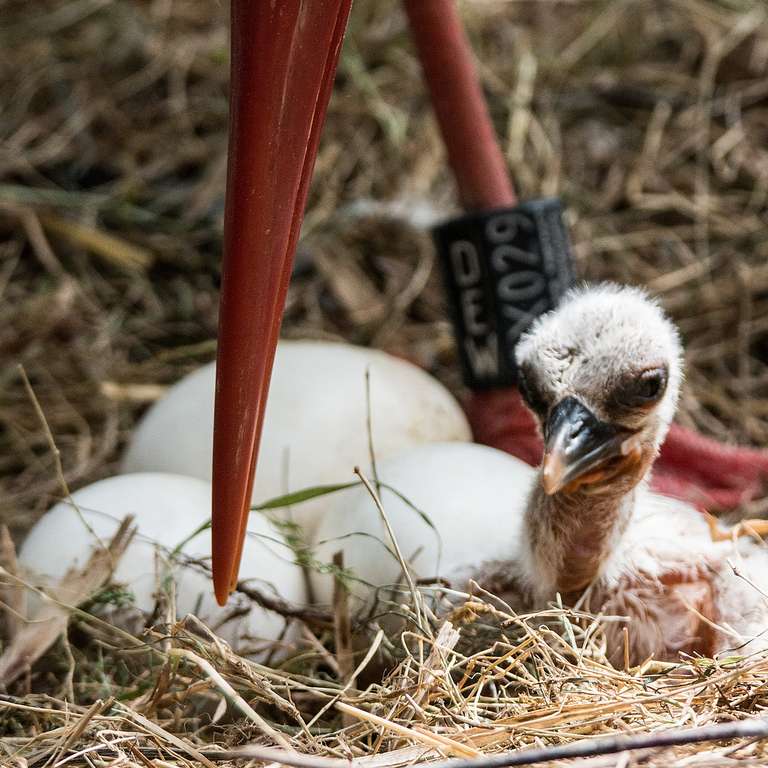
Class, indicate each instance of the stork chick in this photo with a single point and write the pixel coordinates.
(602, 375)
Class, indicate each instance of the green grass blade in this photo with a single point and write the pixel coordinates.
(297, 497)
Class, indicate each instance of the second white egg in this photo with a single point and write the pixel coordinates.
(472, 498)
(315, 429)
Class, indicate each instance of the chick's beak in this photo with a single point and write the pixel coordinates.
(577, 445)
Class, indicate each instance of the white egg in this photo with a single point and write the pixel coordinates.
(167, 509)
(473, 495)
(315, 429)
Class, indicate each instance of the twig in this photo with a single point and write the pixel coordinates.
(113, 249)
(232, 695)
(164, 735)
(433, 740)
(307, 613)
(12, 596)
(97, 708)
(52, 618)
(611, 745)
(261, 754)
(743, 729)
(445, 642)
(56, 455)
(353, 677)
(342, 624)
(393, 539)
(369, 429)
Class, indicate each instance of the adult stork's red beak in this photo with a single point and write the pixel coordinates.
(284, 58)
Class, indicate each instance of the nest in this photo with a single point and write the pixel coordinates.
(649, 119)
(480, 681)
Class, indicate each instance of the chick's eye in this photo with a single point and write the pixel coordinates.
(649, 387)
(646, 389)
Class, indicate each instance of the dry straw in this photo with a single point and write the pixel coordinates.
(485, 682)
(650, 118)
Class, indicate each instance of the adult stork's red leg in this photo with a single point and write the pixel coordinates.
(457, 98)
(284, 57)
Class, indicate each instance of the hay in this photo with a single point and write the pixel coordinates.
(538, 679)
(650, 119)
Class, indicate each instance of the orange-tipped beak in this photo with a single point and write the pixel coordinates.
(577, 447)
(284, 58)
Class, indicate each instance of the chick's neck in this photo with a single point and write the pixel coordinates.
(568, 536)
